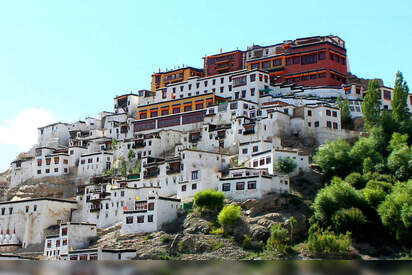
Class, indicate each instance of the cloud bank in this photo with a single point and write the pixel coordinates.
(22, 129)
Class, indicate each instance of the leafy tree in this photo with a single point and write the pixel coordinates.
(396, 211)
(131, 155)
(399, 101)
(375, 192)
(334, 197)
(292, 223)
(123, 168)
(400, 162)
(209, 200)
(114, 144)
(397, 142)
(351, 219)
(371, 105)
(365, 150)
(279, 239)
(138, 168)
(228, 215)
(346, 117)
(334, 159)
(327, 241)
(356, 180)
(285, 165)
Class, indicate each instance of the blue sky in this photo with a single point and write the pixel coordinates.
(65, 60)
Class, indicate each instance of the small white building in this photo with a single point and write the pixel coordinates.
(101, 254)
(248, 183)
(30, 217)
(149, 215)
(21, 170)
(71, 236)
(95, 164)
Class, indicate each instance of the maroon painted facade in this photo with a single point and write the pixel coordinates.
(223, 63)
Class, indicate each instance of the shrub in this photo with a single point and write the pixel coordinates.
(131, 155)
(338, 195)
(279, 239)
(209, 200)
(356, 180)
(326, 241)
(165, 257)
(285, 165)
(218, 231)
(123, 168)
(333, 158)
(351, 219)
(217, 245)
(148, 237)
(396, 211)
(166, 238)
(229, 215)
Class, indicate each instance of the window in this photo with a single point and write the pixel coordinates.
(39, 162)
(240, 186)
(316, 124)
(10, 210)
(240, 81)
(140, 219)
(129, 220)
(335, 125)
(195, 175)
(334, 114)
(329, 124)
(288, 61)
(64, 231)
(251, 185)
(183, 188)
(244, 151)
(194, 186)
(262, 161)
(221, 89)
(205, 83)
(64, 242)
(57, 243)
(121, 193)
(27, 208)
(309, 113)
(3, 210)
(387, 95)
(322, 56)
(322, 75)
(150, 218)
(328, 112)
(252, 92)
(34, 208)
(48, 161)
(255, 163)
(56, 160)
(268, 160)
(309, 59)
(226, 187)
(277, 62)
(56, 170)
(93, 257)
(187, 108)
(296, 60)
(150, 206)
(49, 242)
(255, 149)
(222, 80)
(266, 65)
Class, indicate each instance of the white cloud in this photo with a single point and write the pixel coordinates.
(22, 129)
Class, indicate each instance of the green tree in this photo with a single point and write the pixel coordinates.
(131, 155)
(114, 144)
(292, 223)
(285, 165)
(334, 197)
(365, 150)
(399, 101)
(346, 117)
(279, 239)
(209, 200)
(123, 168)
(371, 105)
(351, 219)
(327, 241)
(228, 215)
(333, 158)
(396, 211)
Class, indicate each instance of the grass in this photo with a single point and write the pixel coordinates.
(166, 238)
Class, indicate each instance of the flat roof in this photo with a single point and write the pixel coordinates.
(39, 199)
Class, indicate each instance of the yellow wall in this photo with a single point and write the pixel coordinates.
(169, 105)
(187, 72)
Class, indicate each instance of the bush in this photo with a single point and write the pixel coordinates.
(333, 158)
(217, 245)
(229, 215)
(148, 237)
(285, 165)
(356, 180)
(209, 200)
(326, 241)
(351, 219)
(279, 239)
(218, 231)
(131, 155)
(166, 238)
(396, 211)
(336, 196)
(165, 257)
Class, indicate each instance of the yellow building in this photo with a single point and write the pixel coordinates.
(177, 106)
(161, 79)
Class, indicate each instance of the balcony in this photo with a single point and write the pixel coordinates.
(96, 209)
(195, 137)
(139, 144)
(173, 170)
(150, 173)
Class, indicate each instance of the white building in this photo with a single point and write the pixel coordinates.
(101, 254)
(149, 215)
(30, 217)
(248, 183)
(71, 236)
(95, 164)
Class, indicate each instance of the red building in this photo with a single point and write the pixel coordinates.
(223, 63)
(312, 61)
